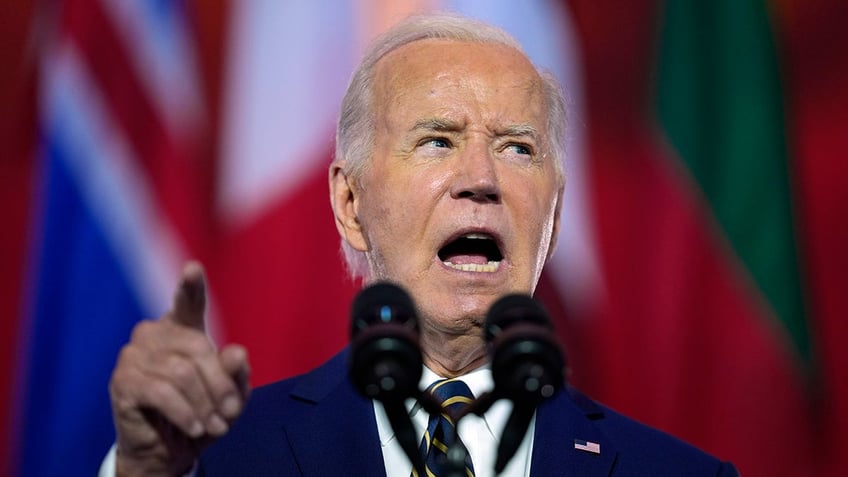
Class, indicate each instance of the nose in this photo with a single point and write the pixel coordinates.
(475, 176)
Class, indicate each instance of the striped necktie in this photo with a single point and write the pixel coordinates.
(440, 436)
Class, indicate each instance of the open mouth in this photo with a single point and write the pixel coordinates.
(473, 252)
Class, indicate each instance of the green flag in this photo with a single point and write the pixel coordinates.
(721, 106)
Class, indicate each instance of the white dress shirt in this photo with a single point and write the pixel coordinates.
(480, 435)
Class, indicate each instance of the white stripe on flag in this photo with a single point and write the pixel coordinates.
(111, 183)
(158, 45)
(288, 65)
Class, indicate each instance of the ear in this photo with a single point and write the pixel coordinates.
(344, 197)
(557, 222)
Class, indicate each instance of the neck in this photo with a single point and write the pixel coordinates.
(452, 356)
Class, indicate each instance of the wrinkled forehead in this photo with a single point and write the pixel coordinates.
(430, 67)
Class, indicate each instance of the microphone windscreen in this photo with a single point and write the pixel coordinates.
(385, 358)
(527, 361)
(527, 364)
(511, 310)
(382, 302)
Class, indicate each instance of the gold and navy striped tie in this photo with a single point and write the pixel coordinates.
(440, 435)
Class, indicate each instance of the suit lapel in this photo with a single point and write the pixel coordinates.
(334, 431)
(562, 421)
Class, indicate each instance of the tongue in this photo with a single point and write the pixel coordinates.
(459, 259)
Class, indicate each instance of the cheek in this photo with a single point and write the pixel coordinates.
(537, 214)
(405, 200)
(386, 222)
(547, 218)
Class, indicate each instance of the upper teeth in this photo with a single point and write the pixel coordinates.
(490, 267)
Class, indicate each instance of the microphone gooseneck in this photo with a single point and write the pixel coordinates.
(386, 364)
(527, 365)
(385, 358)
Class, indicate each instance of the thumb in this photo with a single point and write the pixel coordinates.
(189, 304)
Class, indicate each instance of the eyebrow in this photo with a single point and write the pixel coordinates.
(519, 130)
(437, 124)
(445, 125)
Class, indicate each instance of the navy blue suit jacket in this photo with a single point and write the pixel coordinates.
(318, 425)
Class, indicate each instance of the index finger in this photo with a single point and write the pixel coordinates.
(189, 304)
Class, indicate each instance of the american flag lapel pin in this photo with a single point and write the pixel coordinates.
(587, 446)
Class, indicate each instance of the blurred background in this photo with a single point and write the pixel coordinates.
(699, 284)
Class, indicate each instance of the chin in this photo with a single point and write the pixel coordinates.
(474, 308)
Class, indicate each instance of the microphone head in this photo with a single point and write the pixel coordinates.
(385, 358)
(527, 361)
(381, 303)
(513, 309)
(527, 364)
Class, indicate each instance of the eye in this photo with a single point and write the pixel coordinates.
(519, 153)
(521, 149)
(438, 142)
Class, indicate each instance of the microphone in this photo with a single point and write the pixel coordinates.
(527, 364)
(385, 359)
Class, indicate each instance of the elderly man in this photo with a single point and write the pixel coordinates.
(448, 181)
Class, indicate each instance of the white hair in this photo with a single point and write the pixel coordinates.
(355, 132)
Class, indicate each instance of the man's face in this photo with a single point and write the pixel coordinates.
(460, 199)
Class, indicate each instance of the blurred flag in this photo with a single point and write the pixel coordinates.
(705, 330)
(117, 201)
(718, 286)
(698, 276)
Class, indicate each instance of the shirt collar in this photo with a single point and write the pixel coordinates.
(479, 381)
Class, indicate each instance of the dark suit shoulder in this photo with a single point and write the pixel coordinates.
(288, 426)
(278, 401)
(644, 450)
(257, 437)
